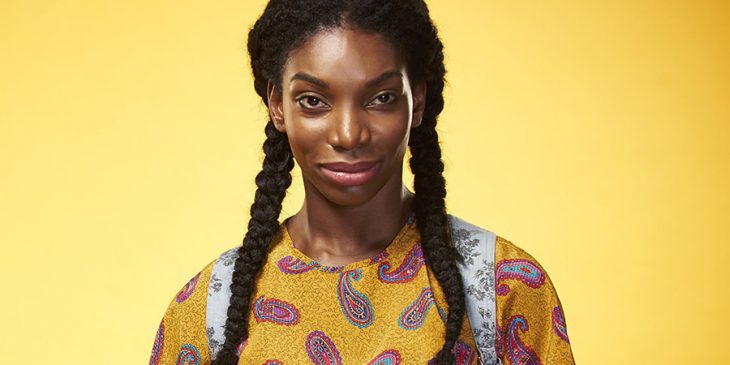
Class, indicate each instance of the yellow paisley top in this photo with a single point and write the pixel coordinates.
(388, 309)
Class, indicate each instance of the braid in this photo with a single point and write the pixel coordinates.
(430, 210)
(272, 183)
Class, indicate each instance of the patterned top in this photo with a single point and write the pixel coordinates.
(388, 309)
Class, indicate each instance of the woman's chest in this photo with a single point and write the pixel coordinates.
(381, 313)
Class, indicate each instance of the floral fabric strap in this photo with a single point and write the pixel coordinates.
(475, 247)
(219, 295)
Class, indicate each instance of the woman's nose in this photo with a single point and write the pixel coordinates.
(349, 129)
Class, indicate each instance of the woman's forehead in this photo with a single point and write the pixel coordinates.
(344, 54)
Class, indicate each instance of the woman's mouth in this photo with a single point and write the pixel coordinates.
(350, 174)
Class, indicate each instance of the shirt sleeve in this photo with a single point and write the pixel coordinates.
(530, 321)
(181, 336)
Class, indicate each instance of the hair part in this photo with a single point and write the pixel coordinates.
(282, 28)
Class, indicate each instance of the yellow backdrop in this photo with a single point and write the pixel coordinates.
(593, 134)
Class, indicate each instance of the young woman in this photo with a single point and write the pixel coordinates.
(367, 272)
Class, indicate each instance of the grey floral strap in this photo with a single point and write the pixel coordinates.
(475, 247)
(219, 294)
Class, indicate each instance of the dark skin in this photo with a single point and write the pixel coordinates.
(346, 98)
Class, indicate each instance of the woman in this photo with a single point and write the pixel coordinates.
(366, 272)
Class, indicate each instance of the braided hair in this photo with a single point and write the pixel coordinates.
(285, 25)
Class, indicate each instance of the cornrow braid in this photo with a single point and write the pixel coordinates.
(283, 26)
(272, 182)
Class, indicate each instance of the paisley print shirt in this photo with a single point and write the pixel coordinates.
(388, 309)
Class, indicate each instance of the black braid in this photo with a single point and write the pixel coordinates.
(429, 205)
(272, 183)
(283, 26)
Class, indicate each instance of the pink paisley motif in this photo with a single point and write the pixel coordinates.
(518, 352)
(189, 355)
(559, 324)
(388, 357)
(518, 269)
(276, 311)
(188, 289)
(407, 270)
(158, 345)
(355, 306)
(414, 315)
(463, 353)
(290, 265)
(322, 350)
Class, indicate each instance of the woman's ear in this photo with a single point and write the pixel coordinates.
(276, 107)
(419, 103)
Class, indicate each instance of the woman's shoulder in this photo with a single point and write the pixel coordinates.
(191, 325)
(524, 294)
(467, 236)
(181, 332)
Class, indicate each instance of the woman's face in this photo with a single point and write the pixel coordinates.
(347, 106)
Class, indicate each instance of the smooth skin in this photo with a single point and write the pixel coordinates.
(346, 98)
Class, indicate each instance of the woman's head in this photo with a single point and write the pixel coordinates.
(347, 43)
(288, 28)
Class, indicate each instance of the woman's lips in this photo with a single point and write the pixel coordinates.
(349, 174)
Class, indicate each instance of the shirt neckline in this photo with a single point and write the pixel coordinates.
(398, 246)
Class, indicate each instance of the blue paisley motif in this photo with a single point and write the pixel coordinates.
(407, 270)
(276, 311)
(322, 350)
(414, 315)
(518, 352)
(518, 269)
(290, 265)
(188, 355)
(559, 324)
(355, 306)
(388, 357)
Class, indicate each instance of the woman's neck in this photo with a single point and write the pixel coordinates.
(337, 235)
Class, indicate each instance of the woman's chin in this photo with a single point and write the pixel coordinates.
(350, 196)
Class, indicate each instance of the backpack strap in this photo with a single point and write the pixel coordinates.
(219, 295)
(475, 247)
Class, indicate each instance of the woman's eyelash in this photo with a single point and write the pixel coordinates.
(313, 102)
(309, 101)
(389, 98)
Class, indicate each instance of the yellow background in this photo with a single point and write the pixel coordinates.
(593, 134)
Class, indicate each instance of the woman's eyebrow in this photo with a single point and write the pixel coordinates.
(321, 83)
(309, 78)
(386, 75)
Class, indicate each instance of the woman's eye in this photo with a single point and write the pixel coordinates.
(311, 102)
(383, 99)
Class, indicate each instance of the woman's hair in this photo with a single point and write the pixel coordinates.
(284, 26)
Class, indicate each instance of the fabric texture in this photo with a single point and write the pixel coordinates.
(530, 321)
(388, 309)
(475, 249)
